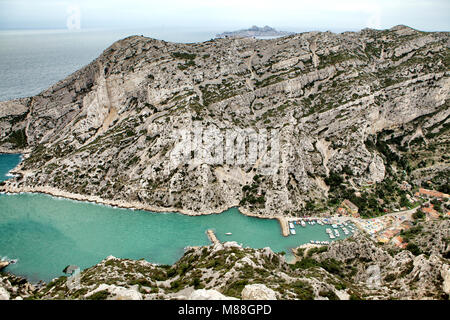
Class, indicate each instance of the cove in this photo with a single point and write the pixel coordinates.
(8, 162)
(46, 233)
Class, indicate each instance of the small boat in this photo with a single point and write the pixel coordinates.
(303, 223)
(293, 231)
(312, 241)
(331, 236)
(228, 233)
(291, 225)
(328, 230)
(334, 226)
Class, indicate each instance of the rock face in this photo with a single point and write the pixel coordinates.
(446, 276)
(358, 106)
(258, 292)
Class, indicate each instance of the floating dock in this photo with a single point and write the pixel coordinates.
(212, 236)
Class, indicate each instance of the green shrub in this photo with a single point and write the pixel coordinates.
(303, 290)
(415, 250)
(99, 295)
(329, 294)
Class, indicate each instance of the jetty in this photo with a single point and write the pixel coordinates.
(212, 236)
(284, 226)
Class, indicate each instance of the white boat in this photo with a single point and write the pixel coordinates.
(334, 226)
(303, 223)
(291, 225)
(331, 236)
(312, 241)
(328, 230)
(293, 231)
(336, 233)
(228, 233)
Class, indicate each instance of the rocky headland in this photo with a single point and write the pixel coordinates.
(356, 112)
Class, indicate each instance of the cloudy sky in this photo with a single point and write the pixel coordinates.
(292, 15)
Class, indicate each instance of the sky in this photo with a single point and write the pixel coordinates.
(289, 15)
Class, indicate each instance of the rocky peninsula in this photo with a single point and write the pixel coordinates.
(255, 31)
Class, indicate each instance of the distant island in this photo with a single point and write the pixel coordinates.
(255, 31)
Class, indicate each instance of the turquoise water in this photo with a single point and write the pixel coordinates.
(47, 233)
(8, 162)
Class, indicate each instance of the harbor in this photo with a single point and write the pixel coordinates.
(338, 228)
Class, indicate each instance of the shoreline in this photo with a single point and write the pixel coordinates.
(134, 205)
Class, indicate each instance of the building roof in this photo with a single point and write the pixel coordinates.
(397, 239)
(430, 212)
(349, 204)
(433, 193)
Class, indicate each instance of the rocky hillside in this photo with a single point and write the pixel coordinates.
(355, 268)
(352, 109)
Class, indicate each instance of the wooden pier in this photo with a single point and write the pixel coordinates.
(212, 236)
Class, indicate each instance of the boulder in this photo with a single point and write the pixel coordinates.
(3, 264)
(258, 292)
(117, 292)
(4, 295)
(203, 294)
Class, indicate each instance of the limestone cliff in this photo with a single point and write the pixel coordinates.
(356, 106)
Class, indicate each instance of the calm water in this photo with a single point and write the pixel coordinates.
(47, 233)
(33, 60)
(7, 162)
